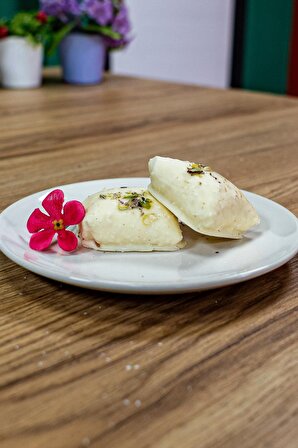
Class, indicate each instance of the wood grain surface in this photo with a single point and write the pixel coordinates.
(204, 370)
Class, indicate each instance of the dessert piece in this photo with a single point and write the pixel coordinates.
(129, 219)
(201, 198)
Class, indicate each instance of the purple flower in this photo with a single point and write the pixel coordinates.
(121, 22)
(72, 7)
(99, 10)
(52, 7)
(60, 8)
(113, 43)
(110, 13)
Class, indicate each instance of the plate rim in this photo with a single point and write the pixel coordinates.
(135, 287)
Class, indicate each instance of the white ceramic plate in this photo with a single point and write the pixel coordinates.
(272, 243)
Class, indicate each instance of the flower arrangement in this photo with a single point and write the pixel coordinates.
(36, 27)
(22, 40)
(107, 18)
(82, 29)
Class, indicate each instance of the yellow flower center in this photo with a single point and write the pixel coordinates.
(58, 224)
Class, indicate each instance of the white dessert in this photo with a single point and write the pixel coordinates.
(129, 219)
(201, 198)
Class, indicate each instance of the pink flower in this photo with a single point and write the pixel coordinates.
(45, 226)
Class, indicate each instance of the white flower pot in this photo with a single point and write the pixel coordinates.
(20, 63)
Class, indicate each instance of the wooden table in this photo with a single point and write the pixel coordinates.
(84, 368)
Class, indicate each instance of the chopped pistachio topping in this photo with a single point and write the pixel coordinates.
(123, 205)
(197, 168)
(128, 200)
(131, 195)
(134, 200)
(110, 196)
(145, 202)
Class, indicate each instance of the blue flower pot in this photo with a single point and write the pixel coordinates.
(82, 58)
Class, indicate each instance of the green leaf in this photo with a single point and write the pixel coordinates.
(25, 24)
(104, 30)
(58, 36)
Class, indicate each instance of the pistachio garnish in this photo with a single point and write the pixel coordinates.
(110, 196)
(132, 195)
(129, 200)
(123, 205)
(132, 200)
(197, 169)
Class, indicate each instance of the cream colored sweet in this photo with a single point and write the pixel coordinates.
(201, 198)
(129, 219)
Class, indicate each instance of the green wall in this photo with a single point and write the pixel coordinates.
(266, 45)
(10, 7)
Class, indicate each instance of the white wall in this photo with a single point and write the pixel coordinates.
(187, 41)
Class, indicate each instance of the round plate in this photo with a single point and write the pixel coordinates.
(204, 263)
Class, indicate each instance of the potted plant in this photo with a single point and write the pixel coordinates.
(84, 31)
(21, 49)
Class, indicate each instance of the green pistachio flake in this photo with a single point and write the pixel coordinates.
(129, 200)
(145, 203)
(133, 200)
(123, 205)
(197, 169)
(131, 196)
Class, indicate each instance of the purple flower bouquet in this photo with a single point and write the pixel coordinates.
(84, 31)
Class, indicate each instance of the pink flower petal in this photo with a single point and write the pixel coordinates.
(38, 221)
(73, 212)
(53, 204)
(41, 240)
(67, 240)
